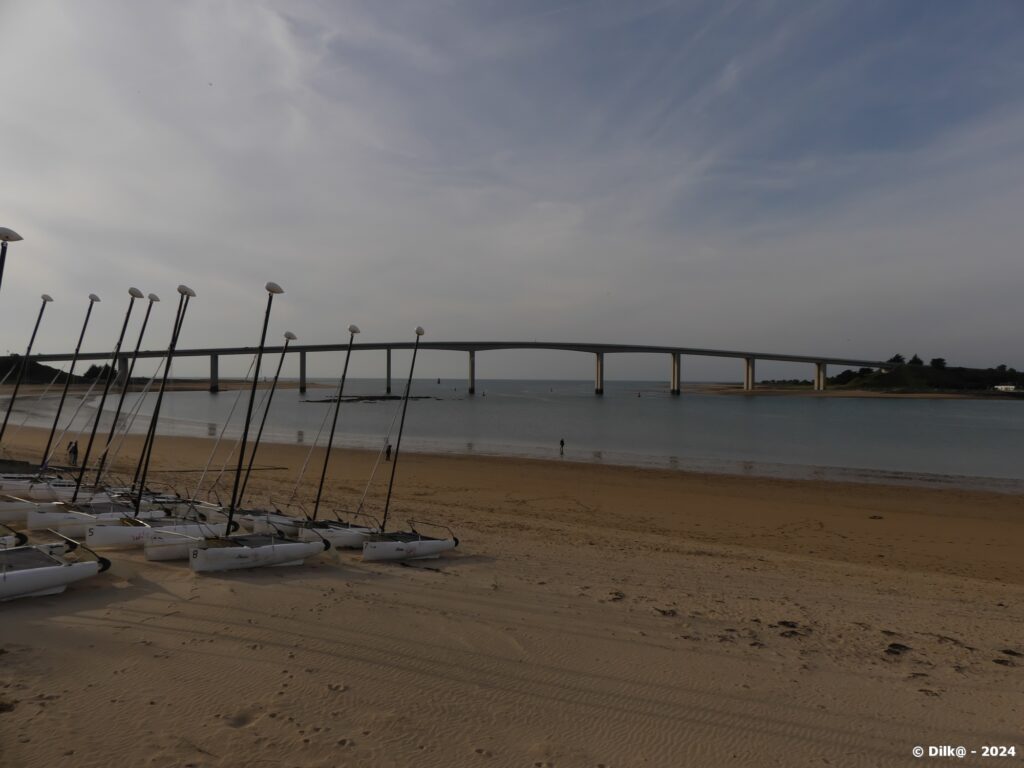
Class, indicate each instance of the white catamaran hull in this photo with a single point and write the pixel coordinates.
(171, 543)
(75, 523)
(419, 549)
(217, 557)
(15, 510)
(115, 536)
(51, 580)
(340, 536)
(57, 490)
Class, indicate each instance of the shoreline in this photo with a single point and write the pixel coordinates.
(178, 461)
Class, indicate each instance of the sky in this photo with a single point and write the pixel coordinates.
(833, 178)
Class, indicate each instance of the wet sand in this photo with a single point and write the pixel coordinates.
(592, 616)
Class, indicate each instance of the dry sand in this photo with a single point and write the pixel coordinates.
(593, 616)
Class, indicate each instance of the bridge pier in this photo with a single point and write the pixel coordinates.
(214, 373)
(675, 373)
(302, 373)
(472, 372)
(387, 381)
(748, 375)
(599, 373)
(820, 376)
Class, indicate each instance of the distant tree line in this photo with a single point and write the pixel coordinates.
(913, 374)
(37, 373)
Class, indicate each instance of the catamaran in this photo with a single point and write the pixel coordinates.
(340, 533)
(223, 552)
(33, 570)
(409, 544)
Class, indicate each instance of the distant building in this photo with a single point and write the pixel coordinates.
(1006, 387)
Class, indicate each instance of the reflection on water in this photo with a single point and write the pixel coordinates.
(300, 436)
(211, 429)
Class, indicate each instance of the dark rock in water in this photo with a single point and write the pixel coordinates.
(1007, 651)
(790, 624)
(367, 398)
(897, 649)
(6, 706)
(666, 611)
(616, 596)
(1004, 662)
(876, 517)
(790, 633)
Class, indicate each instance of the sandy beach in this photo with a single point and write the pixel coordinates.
(592, 616)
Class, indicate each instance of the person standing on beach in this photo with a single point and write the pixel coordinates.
(73, 452)
(387, 453)
(561, 447)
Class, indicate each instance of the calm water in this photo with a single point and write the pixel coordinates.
(971, 443)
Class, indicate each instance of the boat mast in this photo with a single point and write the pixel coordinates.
(6, 236)
(352, 331)
(151, 429)
(24, 363)
(401, 425)
(133, 293)
(272, 290)
(93, 298)
(186, 294)
(124, 389)
(289, 337)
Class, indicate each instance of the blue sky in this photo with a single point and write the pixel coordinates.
(841, 178)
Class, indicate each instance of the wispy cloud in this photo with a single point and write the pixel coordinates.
(844, 178)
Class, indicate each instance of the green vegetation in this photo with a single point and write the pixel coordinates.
(37, 373)
(937, 376)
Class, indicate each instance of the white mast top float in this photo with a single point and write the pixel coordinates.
(353, 328)
(47, 297)
(274, 288)
(290, 336)
(9, 235)
(93, 297)
(135, 293)
(184, 290)
(419, 330)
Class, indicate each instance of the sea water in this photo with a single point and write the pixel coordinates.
(957, 442)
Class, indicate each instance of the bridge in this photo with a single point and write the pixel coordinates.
(674, 354)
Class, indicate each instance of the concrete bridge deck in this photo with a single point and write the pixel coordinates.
(820, 362)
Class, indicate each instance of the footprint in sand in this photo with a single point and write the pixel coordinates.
(241, 718)
(897, 649)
